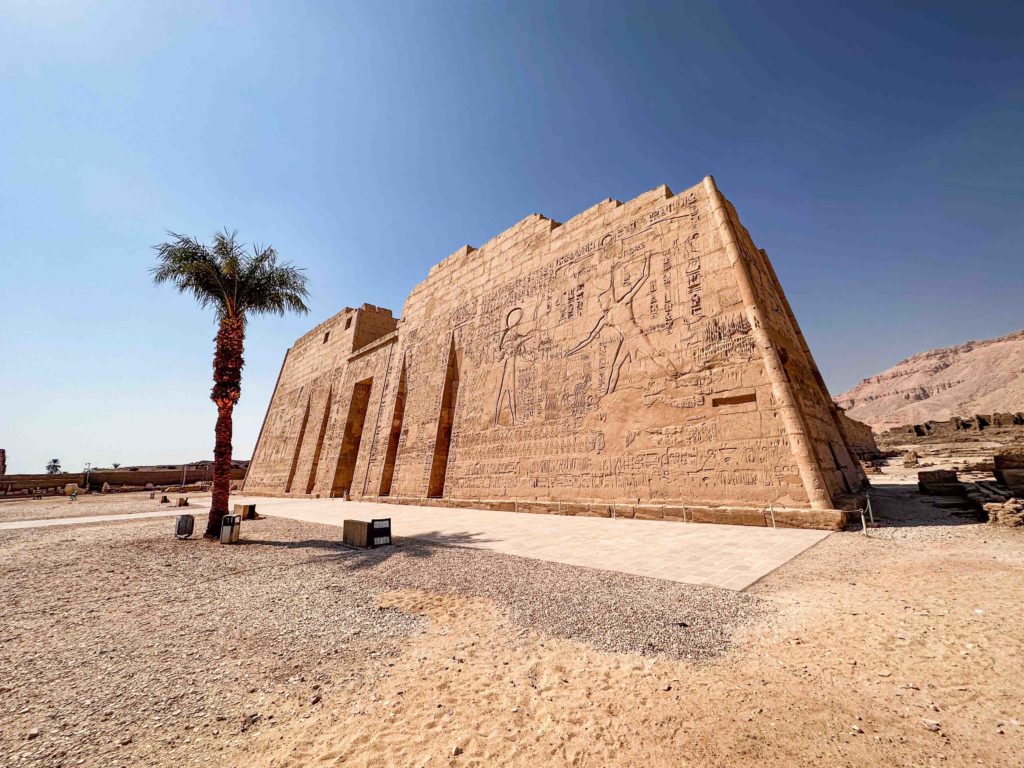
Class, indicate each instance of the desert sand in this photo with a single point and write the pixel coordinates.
(121, 646)
(86, 505)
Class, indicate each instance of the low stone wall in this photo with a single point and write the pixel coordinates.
(977, 423)
(115, 478)
(1009, 513)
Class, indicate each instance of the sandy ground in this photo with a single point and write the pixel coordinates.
(121, 646)
(89, 504)
(932, 456)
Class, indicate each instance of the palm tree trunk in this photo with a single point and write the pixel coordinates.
(221, 471)
(227, 388)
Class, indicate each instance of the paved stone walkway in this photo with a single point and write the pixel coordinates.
(729, 556)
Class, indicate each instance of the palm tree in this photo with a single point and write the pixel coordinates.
(53, 467)
(237, 285)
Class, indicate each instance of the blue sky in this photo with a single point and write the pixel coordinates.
(874, 149)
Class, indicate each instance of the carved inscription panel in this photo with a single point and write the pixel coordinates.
(598, 363)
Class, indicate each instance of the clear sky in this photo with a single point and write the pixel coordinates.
(876, 150)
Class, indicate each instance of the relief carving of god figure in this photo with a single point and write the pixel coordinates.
(513, 353)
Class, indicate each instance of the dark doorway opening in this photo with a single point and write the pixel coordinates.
(393, 437)
(353, 436)
(442, 443)
(298, 446)
(319, 443)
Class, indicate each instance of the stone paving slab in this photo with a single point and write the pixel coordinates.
(729, 556)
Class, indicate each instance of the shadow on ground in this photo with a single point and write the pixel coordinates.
(898, 505)
(423, 546)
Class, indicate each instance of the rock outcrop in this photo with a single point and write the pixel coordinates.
(975, 377)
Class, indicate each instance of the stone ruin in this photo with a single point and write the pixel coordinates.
(953, 427)
(859, 437)
(638, 360)
(3, 462)
(1009, 513)
(1002, 500)
(121, 479)
(1008, 468)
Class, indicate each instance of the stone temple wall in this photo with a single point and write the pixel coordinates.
(860, 438)
(639, 359)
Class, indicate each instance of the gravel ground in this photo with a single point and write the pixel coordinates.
(902, 514)
(120, 646)
(609, 611)
(123, 646)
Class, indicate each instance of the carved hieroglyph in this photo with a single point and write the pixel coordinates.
(639, 357)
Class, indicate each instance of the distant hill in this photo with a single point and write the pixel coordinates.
(975, 377)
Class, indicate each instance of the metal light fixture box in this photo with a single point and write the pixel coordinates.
(230, 527)
(381, 531)
(183, 526)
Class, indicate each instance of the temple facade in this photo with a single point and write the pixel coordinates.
(637, 360)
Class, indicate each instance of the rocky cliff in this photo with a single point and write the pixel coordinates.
(975, 377)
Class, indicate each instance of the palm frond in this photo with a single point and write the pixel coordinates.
(230, 279)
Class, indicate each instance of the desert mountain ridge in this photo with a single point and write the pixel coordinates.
(974, 377)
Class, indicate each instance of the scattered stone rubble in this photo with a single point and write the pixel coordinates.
(1009, 513)
(998, 500)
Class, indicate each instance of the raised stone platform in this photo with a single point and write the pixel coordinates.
(711, 555)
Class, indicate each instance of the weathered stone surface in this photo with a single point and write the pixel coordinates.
(940, 482)
(1014, 480)
(938, 476)
(956, 427)
(1005, 462)
(637, 357)
(859, 437)
(1009, 513)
